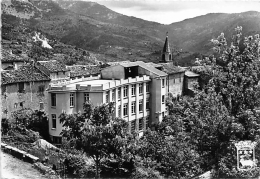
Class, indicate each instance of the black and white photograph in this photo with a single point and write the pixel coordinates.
(130, 89)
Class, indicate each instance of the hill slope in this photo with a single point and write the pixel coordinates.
(96, 28)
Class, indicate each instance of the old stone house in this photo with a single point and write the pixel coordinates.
(23, 88)
(55, 70)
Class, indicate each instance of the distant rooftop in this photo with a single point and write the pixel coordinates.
(25, 73)
(169, 68)
(155, 65)
(7, 56)
(83, 70)
(53, 66)
(145, 66)
(117, 63)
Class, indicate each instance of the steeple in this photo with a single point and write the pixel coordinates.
(166, 53)
(166, 47)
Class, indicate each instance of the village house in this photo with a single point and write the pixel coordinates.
(11, 61)
(190, 79)
(133, 86)
(175, 79)
(54, 69)
(24, 88)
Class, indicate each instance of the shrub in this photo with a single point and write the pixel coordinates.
(5, 126)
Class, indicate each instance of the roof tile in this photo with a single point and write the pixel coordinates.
(83, 70)
(53, 66)
(25, 73)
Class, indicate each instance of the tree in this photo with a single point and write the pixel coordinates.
(170, 152)
(98, 134)
(225, 109)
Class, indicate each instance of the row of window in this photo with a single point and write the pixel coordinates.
(133, 107)
(21, 88)
(141, 124)
(87, 98)
(164, 82)
(133, 123)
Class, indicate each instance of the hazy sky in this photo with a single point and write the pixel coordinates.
(169, 11)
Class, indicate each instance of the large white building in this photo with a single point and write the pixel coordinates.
(137, 89)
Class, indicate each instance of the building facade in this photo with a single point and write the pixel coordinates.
(137, 90)
(55, 70)
(190, 79)
(24, 88)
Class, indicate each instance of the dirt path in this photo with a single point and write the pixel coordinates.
(13, 168)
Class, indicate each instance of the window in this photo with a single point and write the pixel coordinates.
(119, 111)
(141, 121)
(133, 90)
(41, 106)
(20, 87)
(147, 104)
(113, 95)
(180, 79)
(119, 93)
(86, 97)
(3, 89)
(163, 82)
(125, 91)
(107, 96)
(53, 118)
(173, 80)
(147, 88)
(41, 90)
(163, 99)
(140, 88)
(132, 126)
(53, 99)
(125, 109)
(163, 114)
(140, 105)
(71, 99)
(56, 140)
(133, 107)
(147, 122)
(21, 104)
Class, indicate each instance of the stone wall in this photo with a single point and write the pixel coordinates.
(176, 83)
(34, 96)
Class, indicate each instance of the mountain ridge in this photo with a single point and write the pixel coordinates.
(96, 28)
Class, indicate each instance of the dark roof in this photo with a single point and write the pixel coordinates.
(25, 73)
(166, 47)
(83, 70)
(145, 66)
(8, 57)
(53, 66)
(169, 68)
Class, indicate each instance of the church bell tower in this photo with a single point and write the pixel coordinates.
(166, 53)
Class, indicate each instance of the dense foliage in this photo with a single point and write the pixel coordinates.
(101, 137)
(225, 110)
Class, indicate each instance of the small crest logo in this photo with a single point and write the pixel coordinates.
(245, 155)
